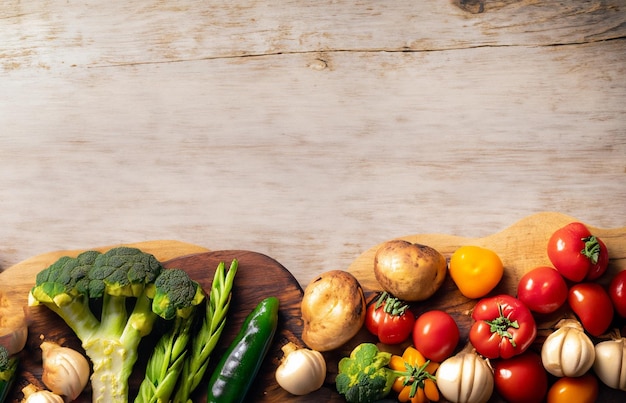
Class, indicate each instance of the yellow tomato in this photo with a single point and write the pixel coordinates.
(583, 389)
(475, 270)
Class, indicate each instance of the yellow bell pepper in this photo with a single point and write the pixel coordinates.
(416, 384)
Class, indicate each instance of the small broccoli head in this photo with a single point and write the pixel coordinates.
(8, 365)
(364, 376)
(174, 293)
(122, 271)
(64, 281)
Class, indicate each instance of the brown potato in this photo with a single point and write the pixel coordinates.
(409, 271)
(333, 310)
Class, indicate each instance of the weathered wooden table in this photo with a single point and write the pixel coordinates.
(309, 132)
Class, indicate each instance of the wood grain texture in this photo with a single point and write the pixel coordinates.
(307, 132)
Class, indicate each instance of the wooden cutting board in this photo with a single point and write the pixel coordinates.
(521, 248)
(258, 276)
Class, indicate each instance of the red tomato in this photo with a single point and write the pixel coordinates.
(503, 327)
(577, 254)
(435, 335)
(583, 389)
(617, 292)
(542, 290)
(521, 379)
(593, 306)
(390, 319)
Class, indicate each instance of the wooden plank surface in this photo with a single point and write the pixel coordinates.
(308, 132)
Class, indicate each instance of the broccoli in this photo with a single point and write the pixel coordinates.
(111, 301)
(364, 376)
(8, 370)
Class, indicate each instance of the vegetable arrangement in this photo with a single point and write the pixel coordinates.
(121, 296)
(503, 353)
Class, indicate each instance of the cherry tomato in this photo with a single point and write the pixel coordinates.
(593, 306)
(390, 319)
(435, 335)
(617, 292)
(577, 254)
(521, 379)
(475, 270)
(583, 389)
(542, 290)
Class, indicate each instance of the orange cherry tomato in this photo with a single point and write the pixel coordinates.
(475, 270)
(583, 389)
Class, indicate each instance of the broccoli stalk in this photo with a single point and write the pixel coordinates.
(124, 281)
(364, 376)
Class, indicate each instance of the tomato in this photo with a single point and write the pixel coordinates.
(583, 389)
(475, 270)
(542, 290)
(503, 327)
(577, 254)
(390, 319)
(436, 335)
(521, 379)
(617, 292)
(593, 306)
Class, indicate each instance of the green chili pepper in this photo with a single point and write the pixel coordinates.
(241, 362)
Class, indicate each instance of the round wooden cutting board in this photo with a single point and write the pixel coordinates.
(258, 277)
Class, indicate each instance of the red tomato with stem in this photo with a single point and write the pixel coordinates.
(503, 327)
(389, 319)
(521, 379)
(593, 306)
(577, 254)
(436, 335)
(542, 290)
(617, 292)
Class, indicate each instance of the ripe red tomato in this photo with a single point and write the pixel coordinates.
(593, 306)
(390, 319)
(542, 290)
(617, 292)
(521, 379)
(435, 335)
(577, 254)
(503, 327)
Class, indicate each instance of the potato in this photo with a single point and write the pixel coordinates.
(333, 310)
(409, 271)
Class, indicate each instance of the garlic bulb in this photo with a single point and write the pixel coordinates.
(65, 371)
(301, 371)
(34, 395)
(568, 351)
(610, 363)
(465, 378)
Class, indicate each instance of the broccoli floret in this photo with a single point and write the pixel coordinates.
(123, 282)
(8, 370)
(364, 376)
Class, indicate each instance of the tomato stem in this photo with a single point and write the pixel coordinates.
(393, 305)
(591, 249)
(501, 325)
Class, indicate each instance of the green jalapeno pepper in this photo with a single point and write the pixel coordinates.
(241, 362)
